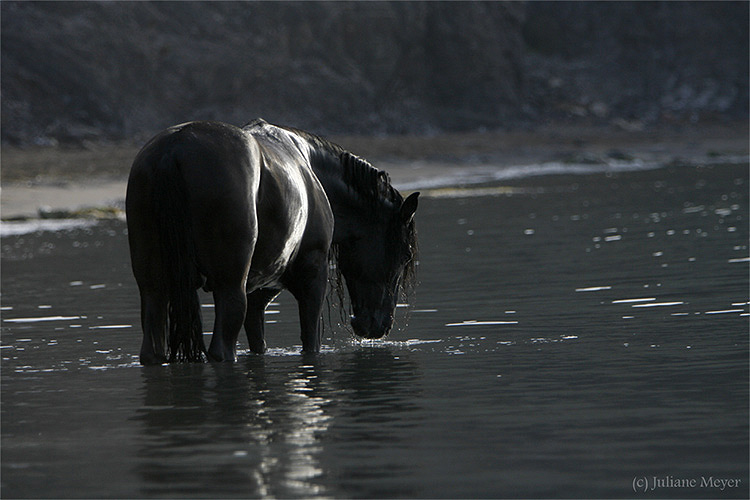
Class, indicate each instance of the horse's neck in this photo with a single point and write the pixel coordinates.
(347, 205)
(341, 197)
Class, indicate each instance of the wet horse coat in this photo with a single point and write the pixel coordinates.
(245, 212)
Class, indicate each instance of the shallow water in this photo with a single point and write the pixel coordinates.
(572, 336)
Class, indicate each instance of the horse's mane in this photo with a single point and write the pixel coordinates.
(358, 174)
(373, 185)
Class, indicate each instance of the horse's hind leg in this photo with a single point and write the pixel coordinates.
(230, 307)
(227, 272)
(154, 324)
(257, 302)
(225, 252)
(147, 269)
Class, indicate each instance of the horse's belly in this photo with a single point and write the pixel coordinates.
(270, 262)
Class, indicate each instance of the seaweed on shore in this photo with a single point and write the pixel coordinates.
(99, 213)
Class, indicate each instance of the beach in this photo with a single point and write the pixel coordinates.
(62, 182)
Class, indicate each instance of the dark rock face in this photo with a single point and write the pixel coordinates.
(74, 71)
(639, 60)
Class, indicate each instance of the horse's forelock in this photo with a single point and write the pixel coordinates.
(409, 277)
(336, 301)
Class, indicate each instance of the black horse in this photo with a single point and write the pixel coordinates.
(246, 212)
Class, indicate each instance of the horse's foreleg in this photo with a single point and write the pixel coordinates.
(230, 307)
(309, 317)
(257, 302)
(310, 292)
(154, 324)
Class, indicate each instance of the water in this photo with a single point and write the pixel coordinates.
(572, 336)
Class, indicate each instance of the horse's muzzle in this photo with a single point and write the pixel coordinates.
(374, 326)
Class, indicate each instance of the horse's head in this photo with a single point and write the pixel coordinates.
(377, 260)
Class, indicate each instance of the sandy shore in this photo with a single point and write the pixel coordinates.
(45, 180)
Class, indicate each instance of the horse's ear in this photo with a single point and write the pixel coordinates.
(409, 207)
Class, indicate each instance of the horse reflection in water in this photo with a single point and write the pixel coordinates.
(247, 212)
(262, 427)
(264, 430)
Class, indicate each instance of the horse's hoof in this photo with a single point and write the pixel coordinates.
(310, 350)
(153, 360)
(258, 348)
(220, 357)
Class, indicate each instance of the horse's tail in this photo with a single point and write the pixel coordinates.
(179, 262)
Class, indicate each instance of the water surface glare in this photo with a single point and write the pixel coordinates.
(571, 336)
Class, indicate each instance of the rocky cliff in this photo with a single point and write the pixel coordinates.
(73, 71)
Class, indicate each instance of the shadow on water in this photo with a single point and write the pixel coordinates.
(267, 426)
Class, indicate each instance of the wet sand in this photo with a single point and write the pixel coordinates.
(50, 182)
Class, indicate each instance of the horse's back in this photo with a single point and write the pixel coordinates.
(208, 155)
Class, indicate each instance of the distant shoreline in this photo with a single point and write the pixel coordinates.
(60, 179)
